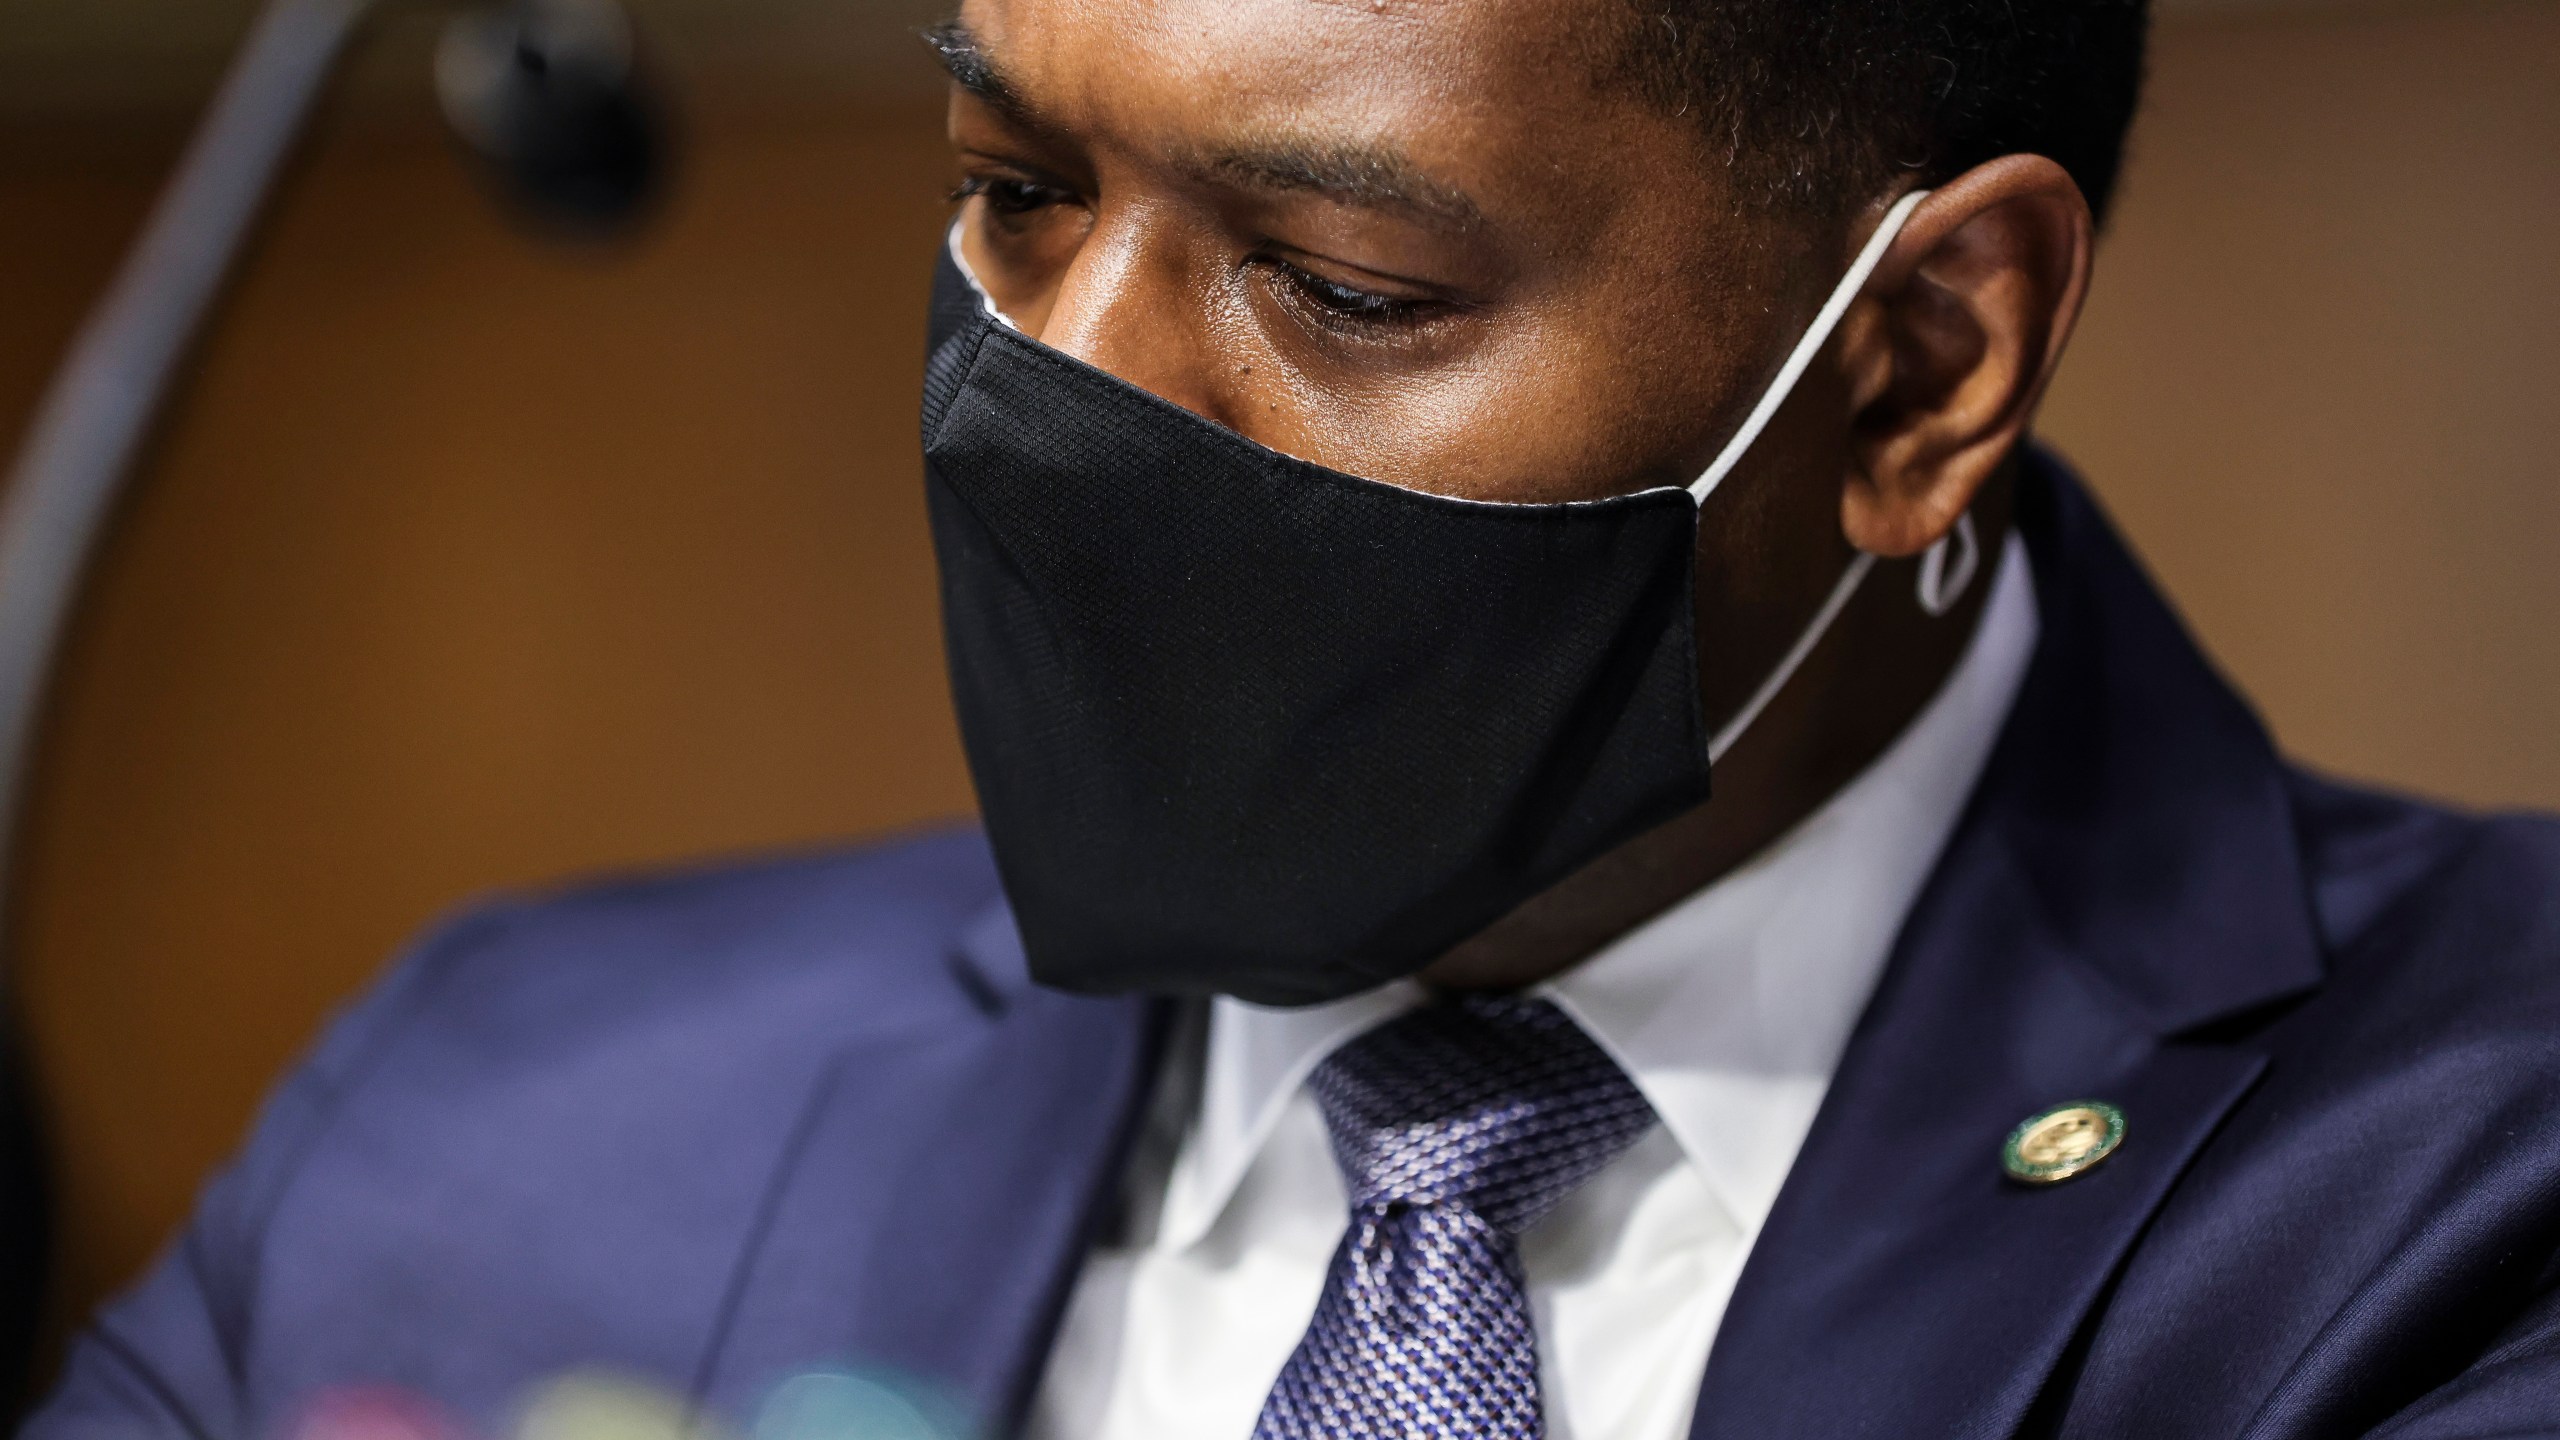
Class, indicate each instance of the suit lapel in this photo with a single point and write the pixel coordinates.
(1904, 1285)
(2125, 877)
(940, 1196)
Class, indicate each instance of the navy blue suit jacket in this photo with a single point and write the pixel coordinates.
(719, 1128)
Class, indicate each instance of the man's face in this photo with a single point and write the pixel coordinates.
(1429, 242)
(1452, 245)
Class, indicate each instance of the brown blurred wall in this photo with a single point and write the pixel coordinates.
(468, 563)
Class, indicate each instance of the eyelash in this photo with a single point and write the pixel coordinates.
(1341, 306)
(1328, 303)
(1007, 196)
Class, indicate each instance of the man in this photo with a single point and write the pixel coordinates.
(1381, 453)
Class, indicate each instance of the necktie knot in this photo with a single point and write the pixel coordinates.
(1499, 1105)
(1457, 1126)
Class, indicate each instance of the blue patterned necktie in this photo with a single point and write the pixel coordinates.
(1457, 1127)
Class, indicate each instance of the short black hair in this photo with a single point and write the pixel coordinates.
(1821, 103)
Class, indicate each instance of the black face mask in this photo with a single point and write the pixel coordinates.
(1244, 725)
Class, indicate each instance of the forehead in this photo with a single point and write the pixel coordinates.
(1477, 90)
(1442, 47)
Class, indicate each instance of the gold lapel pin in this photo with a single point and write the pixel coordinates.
(2053, 1145)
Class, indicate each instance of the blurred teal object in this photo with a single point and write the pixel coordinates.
(846, 1405)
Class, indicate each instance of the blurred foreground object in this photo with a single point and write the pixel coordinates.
(556, 113)
(821, 1405)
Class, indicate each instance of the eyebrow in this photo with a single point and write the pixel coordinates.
(971, 67)
(1367, 175)
(1363, 174)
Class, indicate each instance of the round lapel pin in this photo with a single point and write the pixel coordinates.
(2053, 1145)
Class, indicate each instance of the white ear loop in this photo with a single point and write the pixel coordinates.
(1940, 591)
(1811, 345)
(1851, 578)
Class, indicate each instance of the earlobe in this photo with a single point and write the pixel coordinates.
(1965, 323)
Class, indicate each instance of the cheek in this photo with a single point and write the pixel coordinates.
(1550, 412)
(1021, 260)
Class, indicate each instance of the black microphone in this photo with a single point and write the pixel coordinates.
(550, 95)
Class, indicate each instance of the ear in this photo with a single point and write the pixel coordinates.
(1953, 343)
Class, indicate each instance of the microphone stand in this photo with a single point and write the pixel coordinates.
(75, 464)
(93, 420)
(543, 92)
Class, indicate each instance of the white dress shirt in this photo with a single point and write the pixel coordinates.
(1730, 1011)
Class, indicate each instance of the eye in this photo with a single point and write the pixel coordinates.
(1332, 303)
(1010, 197)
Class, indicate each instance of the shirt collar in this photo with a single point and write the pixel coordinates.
(1729, 1010)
